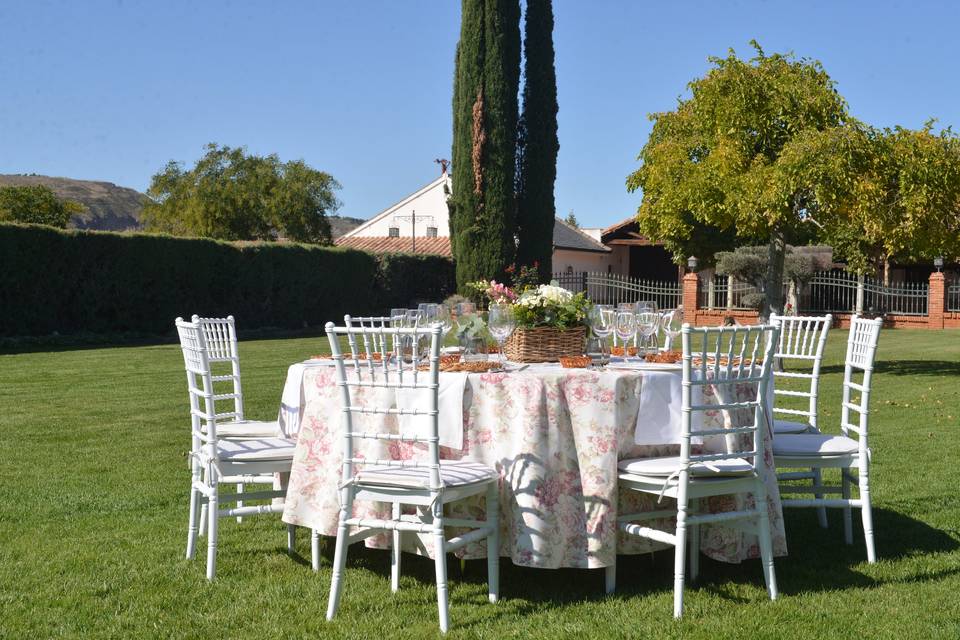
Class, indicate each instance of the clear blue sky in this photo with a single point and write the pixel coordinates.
(113, 90)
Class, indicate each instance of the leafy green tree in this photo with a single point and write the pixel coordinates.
(537, 144)
(751, 264)
(36, 204)
(714, 163)
(486, 82)
(232, 195)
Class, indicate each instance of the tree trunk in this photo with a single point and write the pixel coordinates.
(773, 298)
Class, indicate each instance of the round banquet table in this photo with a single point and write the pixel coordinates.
(554, 436)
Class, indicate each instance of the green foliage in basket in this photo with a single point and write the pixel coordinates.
(550, 306)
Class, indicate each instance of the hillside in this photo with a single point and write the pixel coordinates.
(109, 207)
(340, 225)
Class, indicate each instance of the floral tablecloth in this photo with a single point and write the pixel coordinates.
(555, 437)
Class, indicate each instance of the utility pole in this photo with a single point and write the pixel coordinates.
(412, 219)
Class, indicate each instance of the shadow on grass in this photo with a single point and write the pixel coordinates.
(907, 368)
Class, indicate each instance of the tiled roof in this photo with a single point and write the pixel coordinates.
(384, 244)
(568, 237)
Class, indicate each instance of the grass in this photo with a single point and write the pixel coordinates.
(93, 495)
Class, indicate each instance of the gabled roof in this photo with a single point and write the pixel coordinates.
(384, 244)
(566, 236)
(626, 232)
(392, 209)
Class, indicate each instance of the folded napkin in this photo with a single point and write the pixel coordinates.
(659, 416)
(449, 405)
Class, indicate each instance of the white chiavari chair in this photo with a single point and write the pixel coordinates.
(220, 337)
(216, 460)
(427, 483)
(849, 454)
(724, 358)
(802, 340)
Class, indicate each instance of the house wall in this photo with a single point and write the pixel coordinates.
(430, 203)
(565, 260)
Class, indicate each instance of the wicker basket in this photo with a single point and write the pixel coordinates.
(544, 344)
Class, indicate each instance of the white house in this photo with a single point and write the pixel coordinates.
(420, 223)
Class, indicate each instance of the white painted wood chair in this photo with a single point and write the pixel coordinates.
(724, 357)
(802, 338)
(820, 451)
(427, 483)
(216, 460)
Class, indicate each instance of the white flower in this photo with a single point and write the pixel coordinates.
(554, 294)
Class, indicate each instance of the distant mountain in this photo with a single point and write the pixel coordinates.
(340, 225)
(113, 208)
(109, 207)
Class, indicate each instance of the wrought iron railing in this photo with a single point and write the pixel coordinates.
(841, 291)
(723, 292)
(612, 288)
(953, 296)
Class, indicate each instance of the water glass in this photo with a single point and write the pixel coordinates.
(501, 323)
(625, 327)
(602, 323)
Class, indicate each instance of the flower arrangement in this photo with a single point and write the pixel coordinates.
(549, 305)
(493, 291)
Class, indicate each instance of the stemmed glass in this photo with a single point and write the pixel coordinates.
(673, 323)
(602, 321)
(625, 327)
(648, 322)
(445, 319)
(501, 323)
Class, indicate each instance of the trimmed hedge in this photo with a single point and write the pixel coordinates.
(72, 281)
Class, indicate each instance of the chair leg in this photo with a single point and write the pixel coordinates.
(694, 546)
(493, 542)
(291, 538)
(866, 513)
(439, 542)
(679, 557)
(239, 502)
(821, 511)
(395, 553)
(339, 563)
(204, 507)
(315, 550)
(610, 577)
(192, 525)
(766, 543)
(212, 522)
(847, 515)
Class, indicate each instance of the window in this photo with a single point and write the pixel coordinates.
(394, 232)
(569, 268)
(431, 232)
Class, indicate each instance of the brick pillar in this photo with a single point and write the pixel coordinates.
(691, 291)
(936, 301)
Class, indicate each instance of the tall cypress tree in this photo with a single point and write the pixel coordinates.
(537, 141)
(486, 81)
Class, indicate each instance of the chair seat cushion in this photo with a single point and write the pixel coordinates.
(813, 444)
(454, 473)
(788, 426)
(670, 464)
(248, 429)
(256, 449)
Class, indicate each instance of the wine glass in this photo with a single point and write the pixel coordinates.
(602, 321)
(501, 323)
(625, 327)
(397, 316)
(445, 319)
(672, 324)
(648, 322)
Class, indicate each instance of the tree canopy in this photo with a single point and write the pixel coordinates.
(711, 169)
(36, 204)
(232, 195)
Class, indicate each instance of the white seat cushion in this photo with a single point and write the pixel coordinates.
(788, 426)
(813, 444)
(256, 450)
(454, 473)
(248, 429)
(670, 464)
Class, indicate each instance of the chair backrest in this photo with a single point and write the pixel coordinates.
(220, 336)
(400, 372)
(372, 342)
(861, 353)
(728, 359)
(200, 383)
(801, 338)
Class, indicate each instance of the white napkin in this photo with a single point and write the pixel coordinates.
(659, 418)
(449, 405)
(291, 400)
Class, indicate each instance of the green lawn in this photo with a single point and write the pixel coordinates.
(93, 497)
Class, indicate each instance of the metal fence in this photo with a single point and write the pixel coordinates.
(612, 288)
(840, 291)
(723, 292)
(953, 296)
